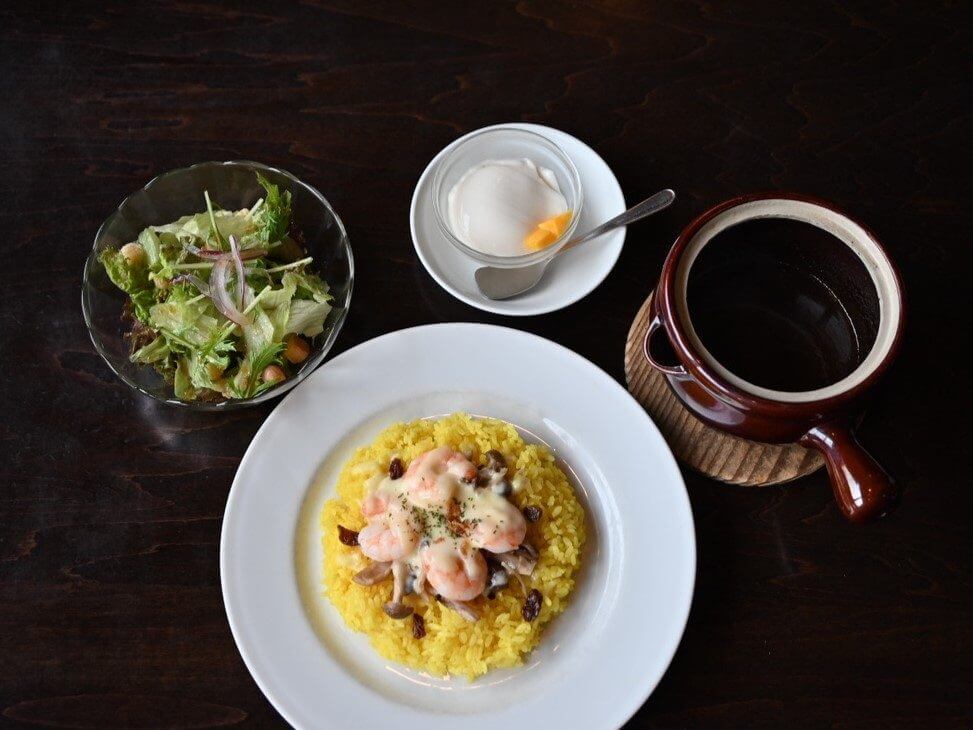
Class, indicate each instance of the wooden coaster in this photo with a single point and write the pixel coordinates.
(714, 453)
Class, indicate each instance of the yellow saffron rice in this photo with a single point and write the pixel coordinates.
(453, 646)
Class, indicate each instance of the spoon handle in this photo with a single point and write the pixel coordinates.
(662, 199)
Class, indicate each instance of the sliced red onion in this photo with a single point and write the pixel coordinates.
(204, 253)
(241, 281)
(220, 295)
(194, 280)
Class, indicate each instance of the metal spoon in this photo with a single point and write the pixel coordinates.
(499, 283)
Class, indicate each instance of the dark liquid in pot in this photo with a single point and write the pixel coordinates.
(783, 304)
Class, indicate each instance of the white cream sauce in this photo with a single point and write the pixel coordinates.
(436, 509)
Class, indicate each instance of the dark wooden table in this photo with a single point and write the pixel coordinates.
(110, 505)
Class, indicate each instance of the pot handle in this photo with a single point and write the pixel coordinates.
(658, 349)
(862, 488)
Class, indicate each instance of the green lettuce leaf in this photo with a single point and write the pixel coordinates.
(182, 384)
(152, 246)
(156, 351)
(270, 316)
(260, 332)
(307, 285)
(198, 228)
(133, 280)
(206, 370)
(188, 319)
(126, 277)
(283, 295)
(306, 317)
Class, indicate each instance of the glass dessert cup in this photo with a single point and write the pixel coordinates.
(506, 143)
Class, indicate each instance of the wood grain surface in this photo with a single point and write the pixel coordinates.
(110, 505)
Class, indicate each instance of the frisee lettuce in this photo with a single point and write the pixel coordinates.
(274, 215)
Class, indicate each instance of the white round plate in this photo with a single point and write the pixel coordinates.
(597, 662)
(571, 276)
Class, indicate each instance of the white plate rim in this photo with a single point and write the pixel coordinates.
(620, 717)
(613, 243)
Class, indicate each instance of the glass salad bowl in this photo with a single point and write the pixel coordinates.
(232, 185)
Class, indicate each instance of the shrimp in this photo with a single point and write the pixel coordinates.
(425, 482)
(390, 536)
(500, 532)
(374, 505)
(457, 573)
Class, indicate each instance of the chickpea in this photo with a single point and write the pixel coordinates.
(273, 374)
(134, 254)
(296, 349)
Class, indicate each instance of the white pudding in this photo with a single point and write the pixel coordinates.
(498, 203)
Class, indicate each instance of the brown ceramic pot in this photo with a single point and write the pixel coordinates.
(824, 418)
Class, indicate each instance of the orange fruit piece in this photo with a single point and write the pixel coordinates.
(547, 232)
(538, 239)
(556, 225)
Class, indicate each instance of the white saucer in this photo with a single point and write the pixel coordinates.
(572, 275)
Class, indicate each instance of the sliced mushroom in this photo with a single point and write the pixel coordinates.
(498, 579)
(397, 610)
(464, 609)
(374, 573)
(419, 583)
(400, 575)
(521, 561)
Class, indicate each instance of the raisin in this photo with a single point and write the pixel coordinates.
(532, 606)
(396, 470)
(532, 513)
(347, 537)
(418, 626)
